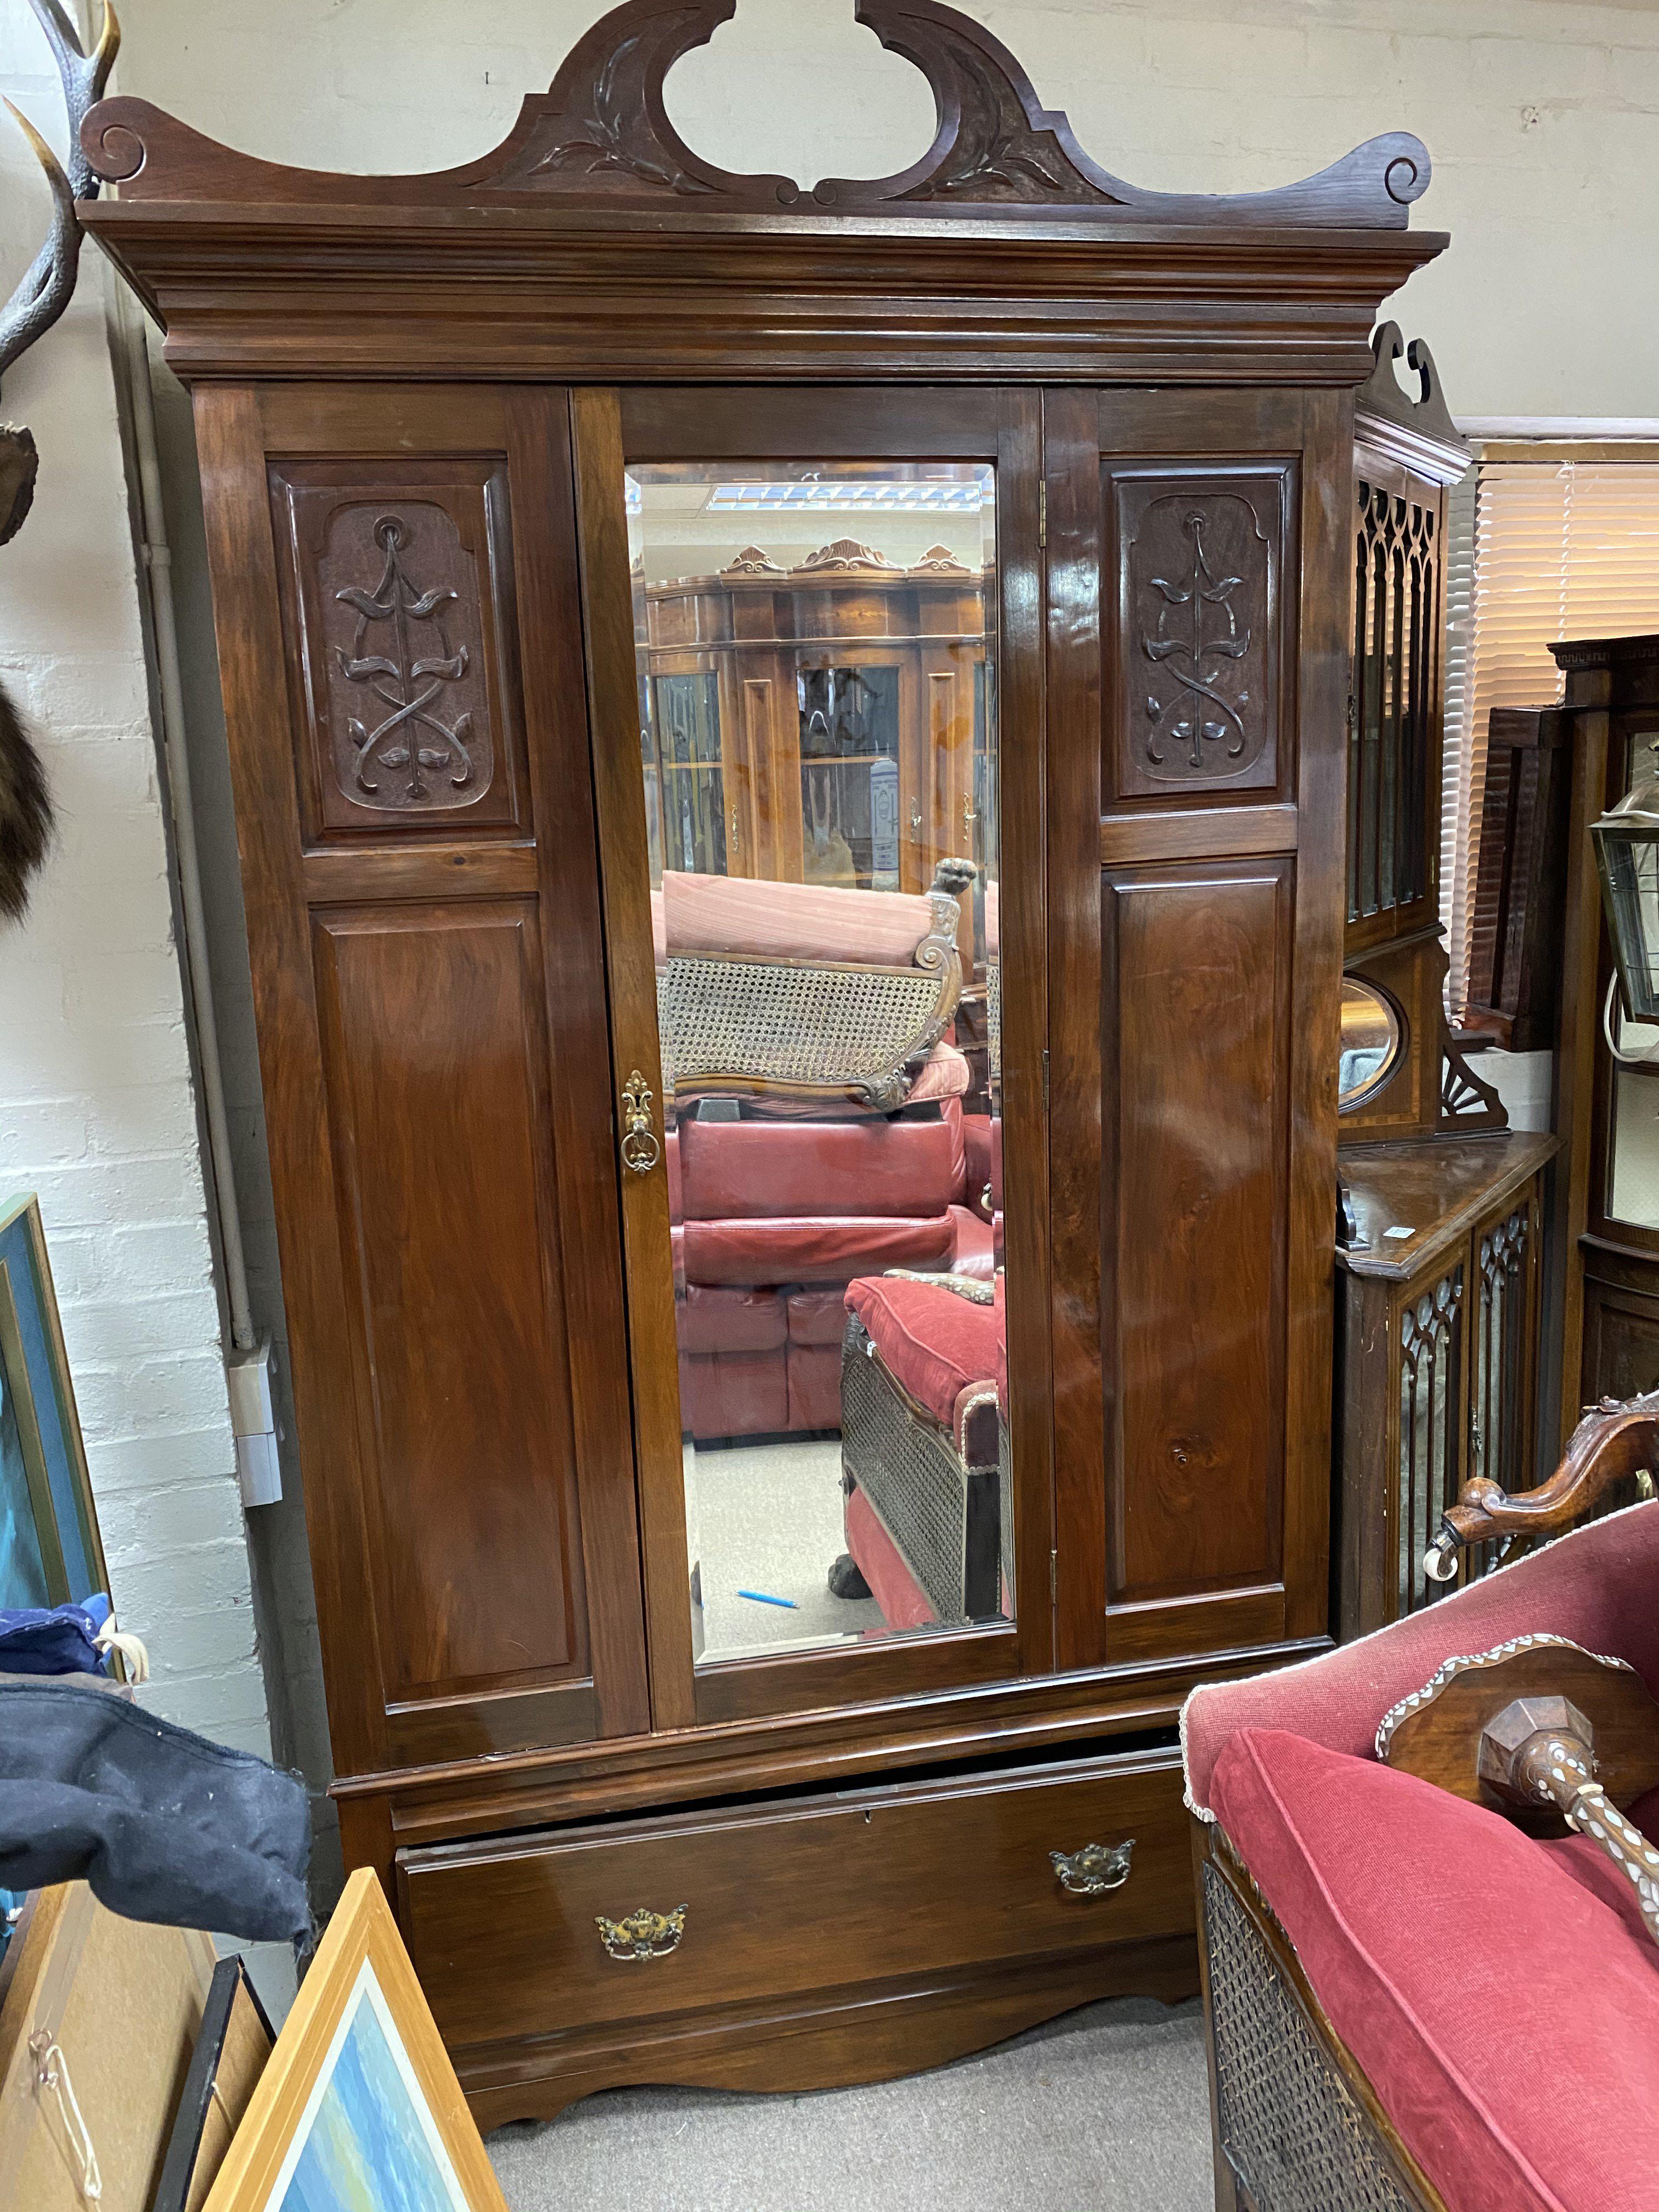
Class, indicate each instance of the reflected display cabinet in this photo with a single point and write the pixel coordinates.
(789, 754)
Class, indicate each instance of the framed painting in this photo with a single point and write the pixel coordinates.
(232, 2049)
(50, 1551)
(358, 2104)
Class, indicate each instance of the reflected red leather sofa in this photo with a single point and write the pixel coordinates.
(779, 1198)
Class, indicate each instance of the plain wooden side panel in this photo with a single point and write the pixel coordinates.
(434, 1060)
(1196, 972)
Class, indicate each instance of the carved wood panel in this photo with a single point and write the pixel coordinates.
(398, 587)
(1199, 562)
(1197, 981)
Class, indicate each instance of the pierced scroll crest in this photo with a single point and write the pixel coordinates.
(601, 137)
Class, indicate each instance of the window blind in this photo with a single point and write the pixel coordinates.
(1556, 548)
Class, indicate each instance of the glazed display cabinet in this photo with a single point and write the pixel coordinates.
(789, 757)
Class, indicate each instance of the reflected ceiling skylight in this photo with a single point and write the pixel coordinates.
(855, 496)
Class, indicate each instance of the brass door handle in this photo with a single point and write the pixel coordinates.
(641, 1148)
(643, 1934)
(1094, 1871)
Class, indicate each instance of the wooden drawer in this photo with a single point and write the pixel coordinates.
(809, 1894)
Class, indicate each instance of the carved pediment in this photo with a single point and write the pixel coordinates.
(846, 553)
(940, 560)
(600, 137)
(753, 561)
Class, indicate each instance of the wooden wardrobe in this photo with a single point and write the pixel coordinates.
(627, 1840)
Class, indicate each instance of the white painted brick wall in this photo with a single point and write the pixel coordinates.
(1542, 117)
(96, 1112)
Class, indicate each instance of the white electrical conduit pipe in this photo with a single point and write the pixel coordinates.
(157, 558)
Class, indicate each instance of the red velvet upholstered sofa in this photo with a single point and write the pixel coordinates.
(782, 1191)
(1412, 2003)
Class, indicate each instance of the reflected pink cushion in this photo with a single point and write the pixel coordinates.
(1506, 2017)
(795, 921)
(942, 1074)
(975, 1251)
(933, 1343)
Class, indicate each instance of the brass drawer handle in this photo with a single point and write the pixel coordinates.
(1094, 1869)
(640, 1149)
(643, 1934)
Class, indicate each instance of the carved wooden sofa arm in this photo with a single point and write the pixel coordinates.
(1615, 1440)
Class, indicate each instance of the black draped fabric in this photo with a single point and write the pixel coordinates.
(163, 1825)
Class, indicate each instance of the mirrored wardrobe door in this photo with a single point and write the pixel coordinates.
(800, 603)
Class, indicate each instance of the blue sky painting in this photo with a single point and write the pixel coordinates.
(366, 2148)
(23, 1571)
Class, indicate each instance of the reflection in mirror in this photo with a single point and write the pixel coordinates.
(1373, 1038)
(1632, 1192)
(817, 656)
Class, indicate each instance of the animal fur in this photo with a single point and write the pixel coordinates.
(26, 815)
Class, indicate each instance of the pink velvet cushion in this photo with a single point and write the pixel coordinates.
(933, 1343)
(1506, 2017)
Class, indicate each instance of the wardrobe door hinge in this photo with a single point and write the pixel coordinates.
(1045, 1079)
(1054, 1577)
(1043, 514)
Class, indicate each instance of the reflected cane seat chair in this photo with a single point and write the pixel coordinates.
(924, 1454)
(816, 1129)
(1411, 2001)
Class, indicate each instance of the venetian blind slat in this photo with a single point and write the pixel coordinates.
(1562, 549)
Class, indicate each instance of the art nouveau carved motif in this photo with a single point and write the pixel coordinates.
(392, 586)
(845, 553)
(1198, 568)
(601, 137)
(409, 725)
(404, 752)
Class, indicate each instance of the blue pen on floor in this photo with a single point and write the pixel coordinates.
(760, 1598)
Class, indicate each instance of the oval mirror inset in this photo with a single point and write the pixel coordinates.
(1373, 1040)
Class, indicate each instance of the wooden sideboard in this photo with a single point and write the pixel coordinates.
(639, 1827)
(1437, 1352)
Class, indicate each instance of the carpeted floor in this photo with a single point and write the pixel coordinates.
(1104, 2111)
(770, 1518)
